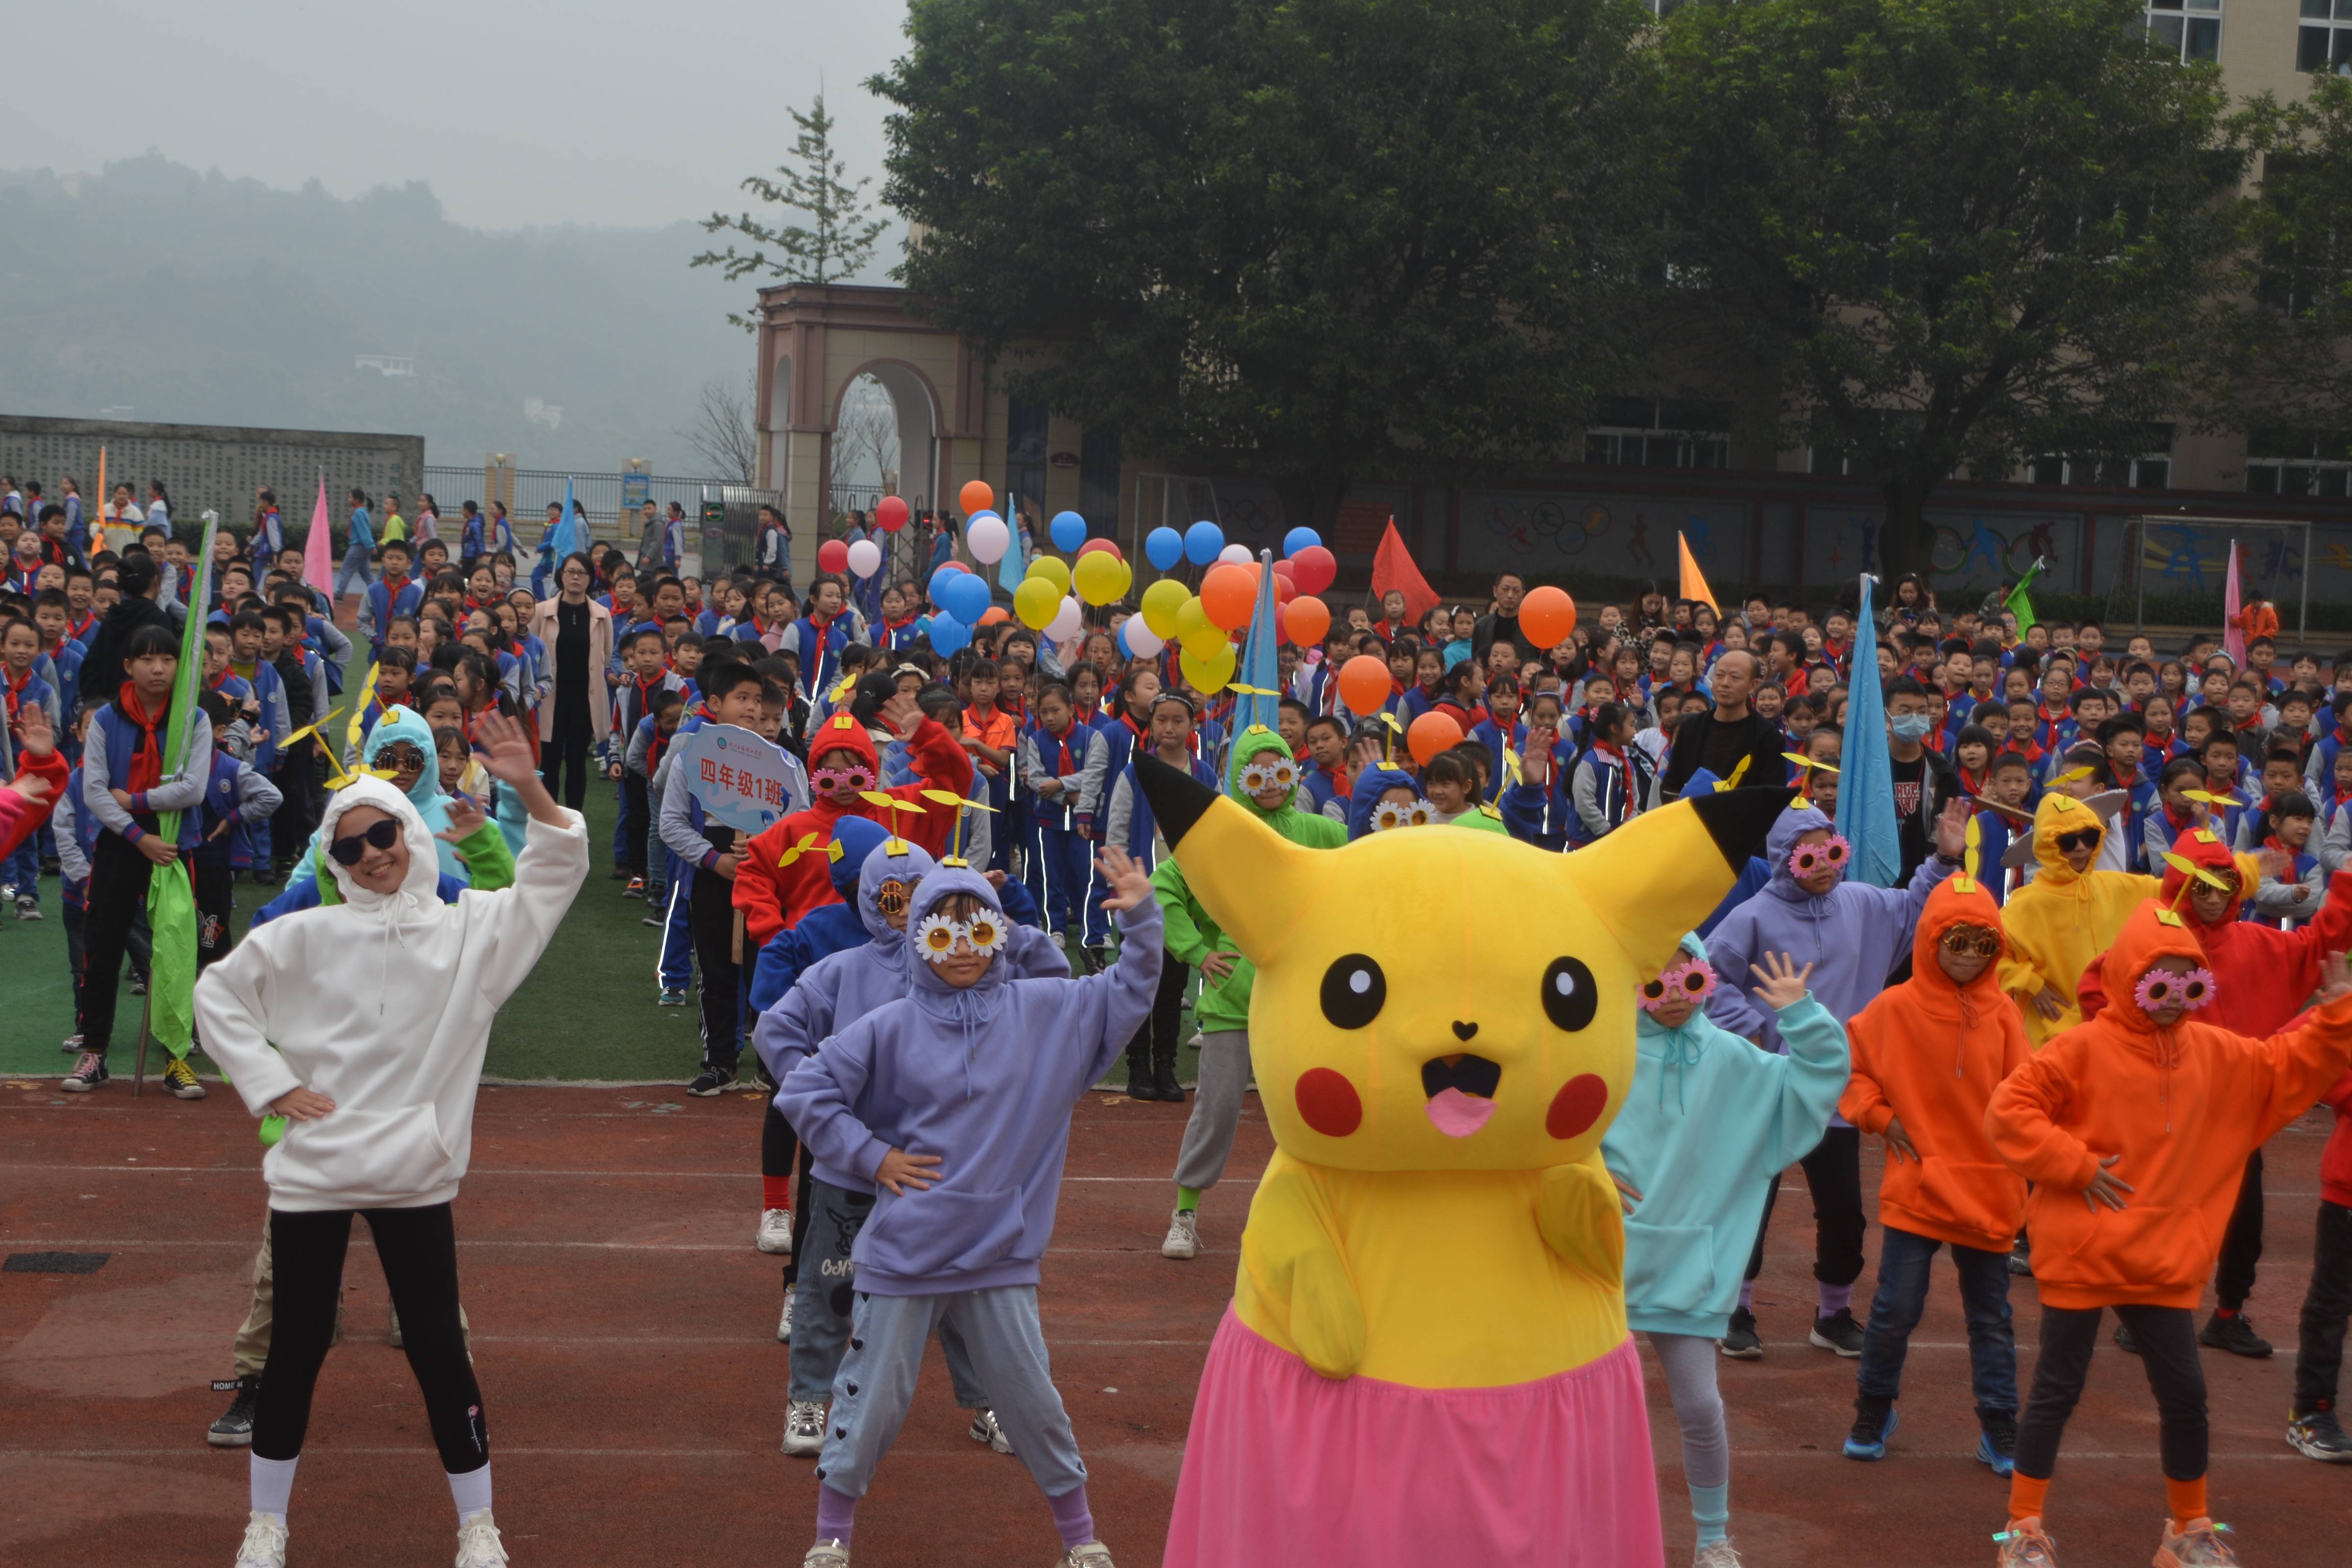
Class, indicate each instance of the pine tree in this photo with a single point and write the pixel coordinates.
(841, 242)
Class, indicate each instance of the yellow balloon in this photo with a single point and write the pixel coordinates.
(1100, 577)
(1036, 602)
(1207, 676)
(1051, 569)
(1191, 619)
(1203, 642)
(1161, 601)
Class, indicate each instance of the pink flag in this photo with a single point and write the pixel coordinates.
(2233, 632)
(319, 549)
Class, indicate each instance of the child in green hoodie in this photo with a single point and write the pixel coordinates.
(1264, 780)
(1709, 1120)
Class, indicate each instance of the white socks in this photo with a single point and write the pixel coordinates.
(470, 1492)
(272, 1484)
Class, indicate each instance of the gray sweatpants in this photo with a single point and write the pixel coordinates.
(876, 1386)
(1225, 1073)
(824, 1295)
(1689, 1363)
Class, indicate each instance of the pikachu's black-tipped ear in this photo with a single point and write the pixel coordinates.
(1177, 798)
(1738, 820)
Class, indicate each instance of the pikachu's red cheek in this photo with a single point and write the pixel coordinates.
(1577, 1106)
(1329, 1103)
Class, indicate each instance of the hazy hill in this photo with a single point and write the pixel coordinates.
(188, 296)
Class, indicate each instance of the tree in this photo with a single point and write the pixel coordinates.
(722, 433)
(1322, 239)
(841, 244)
(1959, 231)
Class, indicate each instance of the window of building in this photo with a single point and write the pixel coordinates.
(2192, 27)
(1024, 456)
(1659, 432)
(2323, 41)
(2151, 470)
(2299, 463)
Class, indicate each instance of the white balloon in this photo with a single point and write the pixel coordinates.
(1066, 620)
(986, 538)
(1237, 553)
(1141, 640)
(865, 558)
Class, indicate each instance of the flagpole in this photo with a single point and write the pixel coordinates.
(139, 1074)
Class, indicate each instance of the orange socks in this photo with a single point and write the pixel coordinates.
(2025, 1495)
(2185, 1499)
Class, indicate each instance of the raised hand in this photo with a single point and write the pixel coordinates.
(504, 747)
(1952, 826)
(1780, 984)
(1128, 885)
(465, 819)
(33, 732)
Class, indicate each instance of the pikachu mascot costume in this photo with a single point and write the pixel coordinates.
(1426, 1359)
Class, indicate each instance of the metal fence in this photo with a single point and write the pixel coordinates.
(536, 489)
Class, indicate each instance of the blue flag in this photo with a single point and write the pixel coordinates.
(1012, 568)
(1257, 676)
(564, 538)
(1865, 812)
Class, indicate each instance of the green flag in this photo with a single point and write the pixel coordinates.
(2019, 602)
(171, 896)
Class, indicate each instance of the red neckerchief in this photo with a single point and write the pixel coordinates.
(1974, 784)
(14, 691)
(1142, 732)
(146, 770)
(393, 585)
(645, 689)
(75, 633)
(1062, 741)
(1614, 753)
(1338, 775)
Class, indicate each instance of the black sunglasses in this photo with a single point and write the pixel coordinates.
(382, 835)
(2088, 838)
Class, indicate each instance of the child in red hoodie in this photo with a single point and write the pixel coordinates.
(2313, 1428)
(2133, 1128)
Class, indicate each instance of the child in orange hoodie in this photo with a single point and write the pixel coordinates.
(2133, 1128)
(1927, 1055)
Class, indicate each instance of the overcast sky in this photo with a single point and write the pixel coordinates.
(515, 112)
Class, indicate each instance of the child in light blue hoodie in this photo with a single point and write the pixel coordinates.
(955, 1103)
(1708, 1121)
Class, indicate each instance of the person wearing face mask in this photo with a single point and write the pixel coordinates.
(1708, 1121)
(2133, 1130)
(1924, 779)
(365, 1024)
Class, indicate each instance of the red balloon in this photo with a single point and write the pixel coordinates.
(951, 566)
(1546, 614)
(1315, 567)
(1305, 620)
(1284, 570)
(890, 513)
(833, 555)
(1364, 684)
(1284, 590)
(1431, 733)
(1091, 545)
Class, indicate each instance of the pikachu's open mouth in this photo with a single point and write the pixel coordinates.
(1461, 1089)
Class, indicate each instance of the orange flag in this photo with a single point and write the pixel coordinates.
(1392, 568)
(1693, 585)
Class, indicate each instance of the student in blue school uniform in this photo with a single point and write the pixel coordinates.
(1055, 750)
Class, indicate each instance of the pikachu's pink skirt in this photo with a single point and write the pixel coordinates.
(1288, 1469)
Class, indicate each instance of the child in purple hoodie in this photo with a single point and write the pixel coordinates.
(954, 1103)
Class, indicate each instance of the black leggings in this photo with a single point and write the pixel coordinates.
(1161, 1031)
(1833, 1172)
(2242, 1244)
(118, 894)
(2166, 1338)
(418, 1250)
(563, 759)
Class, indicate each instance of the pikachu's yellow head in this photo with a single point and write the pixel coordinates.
(1433, 999)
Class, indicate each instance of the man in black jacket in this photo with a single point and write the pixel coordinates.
(1720, 741)
(1503, 624)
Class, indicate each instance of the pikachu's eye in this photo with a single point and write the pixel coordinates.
(1570, 995)
(1354, 991)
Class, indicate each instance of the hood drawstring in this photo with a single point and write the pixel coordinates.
(2168, 1056)
(1682, 1050)
(1967, 1027)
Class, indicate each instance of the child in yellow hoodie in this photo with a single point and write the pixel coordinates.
(2134, 1129)
(2059, 923)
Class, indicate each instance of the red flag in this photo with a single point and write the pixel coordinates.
(1392, 570)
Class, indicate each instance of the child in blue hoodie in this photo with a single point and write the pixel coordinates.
(1708, 1121)
(955, 1103)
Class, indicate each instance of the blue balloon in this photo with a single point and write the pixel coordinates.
(947, 634)
(1069, 531)
(967, 598)
(1202, 542)
(940, 581)
(1299, 539)
(1163, 547)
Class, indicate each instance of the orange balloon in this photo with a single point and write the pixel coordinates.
(1431, 733)
(995, 613)
(1305, 620)
(1364, 684)
(1228, 595)
(976, 497)
(1547, 615)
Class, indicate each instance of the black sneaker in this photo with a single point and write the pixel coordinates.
(2020, 1259)
(1838, 1332)
(89, 1073)
(2234, 1333)
(2124, 1341)
(234, 1427)
(1997, 1441)
(710, 1081)
(1740, 1341)
(2317, 1435)
(1873, 1423)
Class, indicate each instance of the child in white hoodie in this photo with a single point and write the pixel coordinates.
(379, 1008)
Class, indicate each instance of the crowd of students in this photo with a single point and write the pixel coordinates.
(2094, 845)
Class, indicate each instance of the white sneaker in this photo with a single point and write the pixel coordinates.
(1183, 1238)
(984, 1429)
(477, 1543)
(826, 1555)
(785, 1323)
(1093, 1554)
(265, 1543)
(804, 1430)
(1717, 1554)
(776, 1231)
